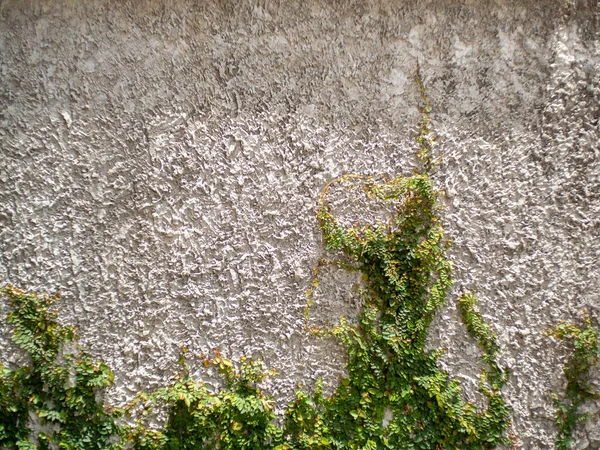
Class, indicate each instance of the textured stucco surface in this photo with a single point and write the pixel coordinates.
(160, 164)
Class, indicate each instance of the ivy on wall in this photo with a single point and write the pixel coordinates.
(59, 388)
(240, 416)
(395, 395)
(586, 352)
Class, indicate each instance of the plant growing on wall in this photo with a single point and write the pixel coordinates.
(240, 416)
(391, 374)
(586, 353)
(395, 396)
(59, 388)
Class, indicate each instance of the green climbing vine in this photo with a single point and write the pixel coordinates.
(586, 353)
(240, 416)
(59, 387)
(405, 281)
(395, 395)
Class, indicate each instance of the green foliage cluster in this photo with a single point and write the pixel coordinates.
(494, 376)
(395, 395)
(240, 416)
(59, 388)
(585, 356)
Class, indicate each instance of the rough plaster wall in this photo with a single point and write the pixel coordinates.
(161, 162)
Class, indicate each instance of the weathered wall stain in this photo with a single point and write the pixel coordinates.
(161, 162)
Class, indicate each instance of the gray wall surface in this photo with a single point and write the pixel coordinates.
(161, 161)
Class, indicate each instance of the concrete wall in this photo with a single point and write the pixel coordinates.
(160, 163)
